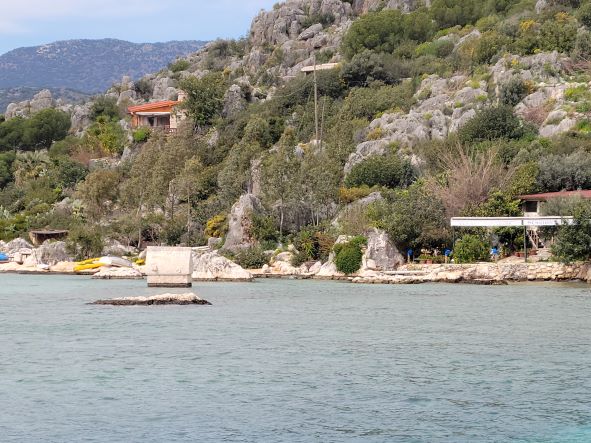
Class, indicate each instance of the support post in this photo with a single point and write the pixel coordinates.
(525, 242)
(316, 102)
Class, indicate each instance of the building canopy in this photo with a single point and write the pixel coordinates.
(501, 222)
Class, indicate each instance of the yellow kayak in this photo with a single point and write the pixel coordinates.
(88, 262)
(85, 267)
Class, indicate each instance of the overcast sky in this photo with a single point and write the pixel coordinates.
(35, 22)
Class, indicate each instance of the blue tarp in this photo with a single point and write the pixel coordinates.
(3, 257)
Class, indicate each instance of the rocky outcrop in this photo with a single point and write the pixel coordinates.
(156, 300)
(210, 266)
(49, 253)
(240, 223)
(115, 248)
(442, 107)
(381, 253)
(16, 245)
(363, 6)
(234, 101)
(42, 100)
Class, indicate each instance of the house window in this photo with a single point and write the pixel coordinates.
(531, 206)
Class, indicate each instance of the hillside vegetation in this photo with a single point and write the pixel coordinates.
(450, 110)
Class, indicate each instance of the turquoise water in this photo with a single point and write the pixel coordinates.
(295, 361)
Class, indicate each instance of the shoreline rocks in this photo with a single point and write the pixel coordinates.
(113, 273)
(210, 266)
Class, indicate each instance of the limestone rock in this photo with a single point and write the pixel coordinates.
(42, 100)
(312, 31)
(240, 223)
(17, 244)
(161, 88)
(115, 273)
(381, 253)
(364, 151)
(115, 248)
(63, 267)
(211, 266)
(234, 101)
(49, 253)
(80, 117)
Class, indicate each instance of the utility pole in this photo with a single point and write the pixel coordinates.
(316, 101)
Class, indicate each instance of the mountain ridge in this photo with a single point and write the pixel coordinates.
(87, 65)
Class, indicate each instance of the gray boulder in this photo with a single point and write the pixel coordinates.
(240, 223)
(381, 253)
(49, 253)
(211, 266)
(234, 101)
(16, 245)
(42, 100)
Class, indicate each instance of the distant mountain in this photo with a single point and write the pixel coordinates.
(87, 65)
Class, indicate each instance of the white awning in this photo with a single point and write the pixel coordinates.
(499, 222)
(152, 114)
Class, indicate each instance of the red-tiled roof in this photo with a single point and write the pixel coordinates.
(153, 105)
(550, 195)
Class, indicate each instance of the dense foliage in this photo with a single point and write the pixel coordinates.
(471, 248)
(348, 256)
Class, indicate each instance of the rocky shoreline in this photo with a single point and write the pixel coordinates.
(381, 264)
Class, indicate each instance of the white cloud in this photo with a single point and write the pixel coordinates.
(21, 16)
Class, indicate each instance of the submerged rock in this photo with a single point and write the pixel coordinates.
(156, 300)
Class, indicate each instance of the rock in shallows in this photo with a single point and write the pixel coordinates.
(213, 267)
(156, 300)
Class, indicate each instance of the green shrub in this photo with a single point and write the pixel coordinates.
(383, 31)
(264, 228)
(85, 241)
(179, 65)
(584, 14)
(367, 103)
(349, 256)
(299, 258)
(143, 88)
(565, 172)
(513, 91)
(312, 244)
(438, 48)
(251, 258)
(367, 67)
(470, 249)
(577, 93)
(106, 107)
(141, 135)
(389, 171)
(559, 34)
(492, 123)
(573, 242)
(489, 45)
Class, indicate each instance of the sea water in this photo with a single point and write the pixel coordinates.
(295, 361)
